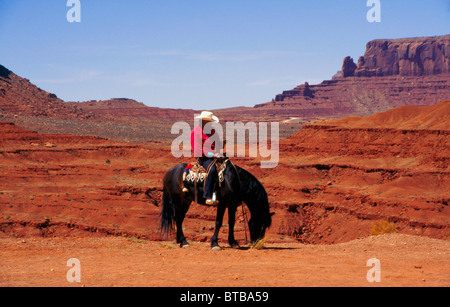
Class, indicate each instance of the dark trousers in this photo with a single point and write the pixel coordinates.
(209, 184)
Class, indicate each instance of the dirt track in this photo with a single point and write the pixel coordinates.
(107, 261)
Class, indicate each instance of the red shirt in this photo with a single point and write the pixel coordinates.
(198, 136)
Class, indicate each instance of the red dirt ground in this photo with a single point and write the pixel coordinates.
(404, 261)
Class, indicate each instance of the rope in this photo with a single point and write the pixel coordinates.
(245, 221)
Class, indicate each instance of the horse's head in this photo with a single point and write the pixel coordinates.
(260, 221)
(242, 186)
(255, 197)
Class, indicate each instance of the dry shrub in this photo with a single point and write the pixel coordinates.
(259, 244)
(382, 227)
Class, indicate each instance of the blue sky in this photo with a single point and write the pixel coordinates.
(201, 54)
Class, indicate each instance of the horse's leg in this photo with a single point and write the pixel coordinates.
(180, 213)
(231, 221)
(181, 239)
(219, 219)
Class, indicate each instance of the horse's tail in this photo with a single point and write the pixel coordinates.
(166, 217)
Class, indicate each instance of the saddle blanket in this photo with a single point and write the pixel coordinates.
(196, 172)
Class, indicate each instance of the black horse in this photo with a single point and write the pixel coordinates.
(238, 186)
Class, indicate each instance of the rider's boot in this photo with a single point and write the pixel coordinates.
(213, 200)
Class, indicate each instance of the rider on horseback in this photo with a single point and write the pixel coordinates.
(199, 141)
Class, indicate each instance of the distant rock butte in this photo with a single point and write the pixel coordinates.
(392, 73)
(405, 57)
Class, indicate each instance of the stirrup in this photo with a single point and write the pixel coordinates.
(210, 202)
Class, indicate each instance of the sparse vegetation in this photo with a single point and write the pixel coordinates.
(383, 227)
(259, 244)
(137, 240)
(168, 245)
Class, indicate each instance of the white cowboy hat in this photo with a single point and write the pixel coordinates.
(208, 116)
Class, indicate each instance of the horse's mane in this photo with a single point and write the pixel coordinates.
(251, 188)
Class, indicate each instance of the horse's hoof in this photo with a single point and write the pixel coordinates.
(216, 248)
(235, 246)
(186, 246)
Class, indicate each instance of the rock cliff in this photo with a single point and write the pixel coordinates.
(392, 73)
(404, 57)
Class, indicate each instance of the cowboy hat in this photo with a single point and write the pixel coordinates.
(208, 116)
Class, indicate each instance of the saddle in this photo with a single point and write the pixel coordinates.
(195, 173)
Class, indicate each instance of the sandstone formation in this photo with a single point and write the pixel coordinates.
(356, 96)
(405, 57)
(339, 177)
(435, 117)
(348, 67)
(335, 182)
